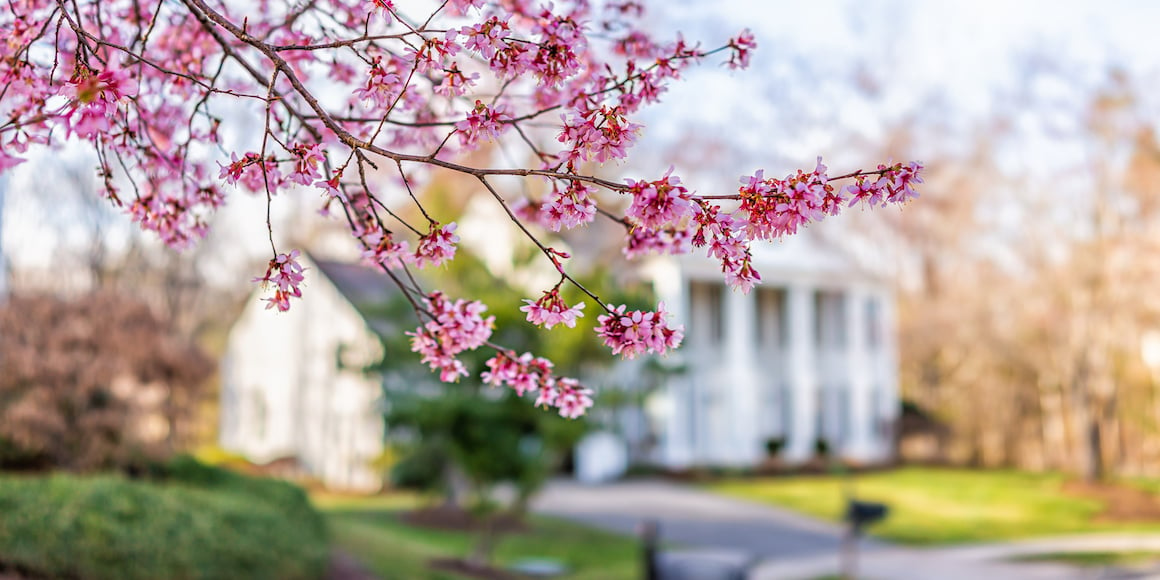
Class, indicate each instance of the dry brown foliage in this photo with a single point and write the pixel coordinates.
(91, 382)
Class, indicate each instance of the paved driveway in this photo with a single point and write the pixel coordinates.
(693, 518)
(783, 545)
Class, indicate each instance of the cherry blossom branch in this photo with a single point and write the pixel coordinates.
(553, 255)
(143, 88)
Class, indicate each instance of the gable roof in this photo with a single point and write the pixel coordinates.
(367, 289)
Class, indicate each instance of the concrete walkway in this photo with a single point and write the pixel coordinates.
(782, 545)
(990, 561)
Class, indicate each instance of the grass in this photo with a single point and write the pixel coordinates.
(943, 506)
(370, 529)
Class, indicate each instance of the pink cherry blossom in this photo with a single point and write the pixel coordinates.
(487, 38)
(642, 240)
(483, 122)
(382, 86)
(452, 328)
(598, 134)
(284, 276)
(437, 246)
(571, 399)
(551, 310)
(631, 334)
(569, 207)
(382, 249)
(94, 98)
(740, 48)
(660, 203)
(308, 159)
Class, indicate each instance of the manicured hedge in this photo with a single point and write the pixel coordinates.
(194, 522)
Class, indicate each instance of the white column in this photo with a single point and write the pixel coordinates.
(859, 379)
(676, 411)
(802, 374)
(671, 287)
(742, 391)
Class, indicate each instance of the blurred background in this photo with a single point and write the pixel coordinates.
(985, 361)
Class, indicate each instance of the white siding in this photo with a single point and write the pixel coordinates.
(283, 367)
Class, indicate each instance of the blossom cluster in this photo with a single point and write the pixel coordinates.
(551, 310)
(597, 134)
(437, 246)
(483, 122)
(528, 374)
(767, 209)
(631, 334)
(660, 203)
(453, 327)
(895, 184)
(284, 274)
(771, 208)
(722, 234)
(93, 99)
(381, 249)
(568, 207)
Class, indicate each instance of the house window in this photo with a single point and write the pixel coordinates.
(706, 316)
(771, 327)
(830, 319)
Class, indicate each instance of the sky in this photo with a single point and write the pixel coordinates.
(801, 96)
(969, 56)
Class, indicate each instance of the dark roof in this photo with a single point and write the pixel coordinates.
(369, 290)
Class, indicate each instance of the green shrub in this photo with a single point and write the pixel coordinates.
(202, 523)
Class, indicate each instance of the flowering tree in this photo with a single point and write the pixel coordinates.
(353, 90)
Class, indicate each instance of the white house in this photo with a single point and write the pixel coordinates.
(294, 384)
(809, 354)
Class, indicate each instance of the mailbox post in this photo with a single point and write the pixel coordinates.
(649, 530)
(859, 515)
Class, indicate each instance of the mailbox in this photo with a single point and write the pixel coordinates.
(863, 513)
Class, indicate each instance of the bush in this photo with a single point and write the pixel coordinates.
(822, 448)
(202, 523)
(774, 446)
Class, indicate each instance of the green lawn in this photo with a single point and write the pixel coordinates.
(370, 530)
(941, 506)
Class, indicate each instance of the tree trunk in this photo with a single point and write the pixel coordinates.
(485, 542)
(1094, 456)
(458, 486)
(1088, 420)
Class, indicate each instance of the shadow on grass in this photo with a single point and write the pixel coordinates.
(373, 529)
